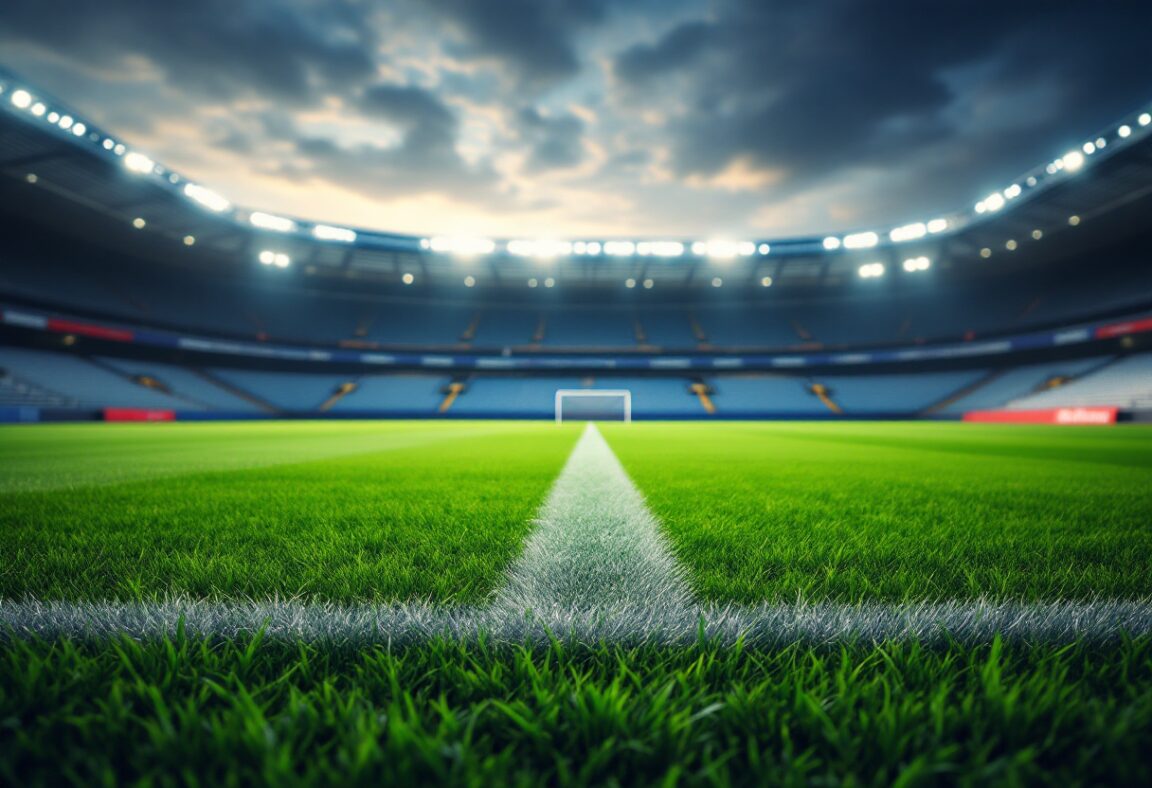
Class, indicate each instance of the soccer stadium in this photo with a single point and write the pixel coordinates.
(294, 500)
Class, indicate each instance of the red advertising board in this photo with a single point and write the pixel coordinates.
(1085, 415)
(138, 414)
(1122, 329)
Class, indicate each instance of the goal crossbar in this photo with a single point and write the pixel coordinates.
(625, 394)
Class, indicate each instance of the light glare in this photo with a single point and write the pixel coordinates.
(206, 197)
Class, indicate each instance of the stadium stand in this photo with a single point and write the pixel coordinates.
(407, 395)
(185, 383)
(1003, 386)
(1125, 383)
(894, 394)
(84, 382)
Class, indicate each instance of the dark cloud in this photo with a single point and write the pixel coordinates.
(221, 48)
(556, 142)
(429, 128)
(809, 89)
(536, 39)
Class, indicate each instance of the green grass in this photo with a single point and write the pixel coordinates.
(244, 713)
(898, 512)
(358, 512)
(392, 511)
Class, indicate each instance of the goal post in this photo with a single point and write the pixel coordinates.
(593, 405)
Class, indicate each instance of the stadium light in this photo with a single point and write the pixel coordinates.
(139, 223)
(206, 197)
(532, 282)
(766, 281)
(721, 250)
(937, 226)
(539, 249)
(139, 163)
(1072, 160)
(53, 117)
(407, 278)
(463, 246)
(619, 248)
(1011, 245)
(1089, 148)
(189, 240)
(630, 283)
(281, 260)
(649, 284)
(1013, 191)
(469, 281)
(1037, 234)
(717, 281)
(917, 264)
(764, 248)
(549, 282)
(21, 99)
(66, 122)
(267, 221)
(871, 270)
(38, 109)
(1074, 220)
(660, 248)
(993, 202)
(908, 232)
(861, 240)
(1124, 131)
(1144, 119)
(326, 232)
(594, 247)
(831, 243)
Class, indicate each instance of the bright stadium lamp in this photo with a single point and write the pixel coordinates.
(139, 163)
(831, 243)
(861, 240)
(325, 232)
(908, 232)
(267, 221)
(1073, 160)
(1124, 131)
(1144, 119)
(937, 226)
(206, 197)
(619, 248)
(21, 99)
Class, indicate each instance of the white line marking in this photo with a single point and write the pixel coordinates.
(596, 546)
(759, 627)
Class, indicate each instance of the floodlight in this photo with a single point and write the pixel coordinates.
(699, 248)
(469, 281)
(1124, 131)
(206, 197)
(594, 247)
(937, 225)
(65, 122)
(79, 129)
(267, 221)
(189, 240)
(139, 223)
(861, 240)
(660, 248)
(648, 284)
(717, 281)
(21, 99)
(908, 232)
(462, 246)
(993, 202)
(985, 252)
(721, 250)
(629, 283)
(326, 232)
(831, 243)
(764, 248)
(871, 270)
(619, 248)
(549, 282)
(1013, 191)
(1073, 220)
(1011, 245)
(38, 109)
(1073, 160)
(1089, 148)
(267, 257)
(407, 278)
(579, 247)
(532, 282)
(138, 162)
(53, 117)
(766, 281)
(425, 243)
(1144, 119)
(1037, 235)
(281, 260)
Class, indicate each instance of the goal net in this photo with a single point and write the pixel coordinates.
(593, 405)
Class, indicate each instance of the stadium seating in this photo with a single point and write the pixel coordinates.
(1126, 383)
(84, 382)
(186, 384)
(1003, 386)
(895, 394)
(408, 395)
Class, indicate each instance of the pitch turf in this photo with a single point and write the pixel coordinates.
(389, 512)
(899, 511)
(353, 511)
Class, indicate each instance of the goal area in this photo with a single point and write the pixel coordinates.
(593, 405)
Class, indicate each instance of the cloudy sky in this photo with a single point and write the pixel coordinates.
(696, 118)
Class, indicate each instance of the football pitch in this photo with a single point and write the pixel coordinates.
(518, 602)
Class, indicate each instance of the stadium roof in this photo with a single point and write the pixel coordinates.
(48, 151)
